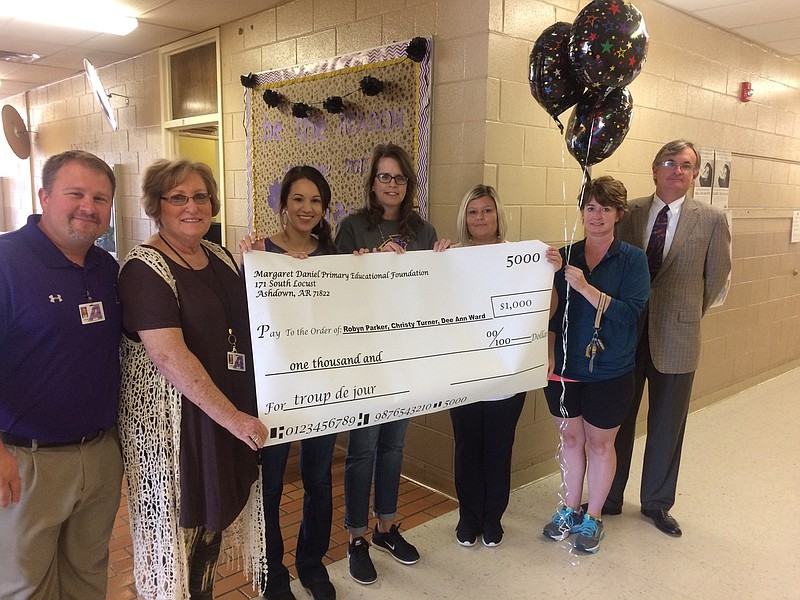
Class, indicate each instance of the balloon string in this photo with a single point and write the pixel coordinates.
(251, 217)
(562, 490)
(571, 240)
(562, 493)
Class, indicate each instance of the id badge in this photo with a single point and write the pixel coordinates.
(92, 312)
(236, 361)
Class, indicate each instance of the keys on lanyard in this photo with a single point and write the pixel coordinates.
(596, 345)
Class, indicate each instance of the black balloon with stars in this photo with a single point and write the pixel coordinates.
(608, 43)
(553, 83)
(598, 125)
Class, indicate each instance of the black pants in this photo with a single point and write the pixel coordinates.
(668, 399)
(484, 435)
(315, 528)
(202, 547)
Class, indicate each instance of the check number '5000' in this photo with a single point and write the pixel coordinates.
(522, 259)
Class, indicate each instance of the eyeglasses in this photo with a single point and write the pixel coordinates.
(671, 164)
(181, 199)
(386, 178)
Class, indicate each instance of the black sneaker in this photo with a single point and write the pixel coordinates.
(280, 595)
(466, 538)
(359, 562)
(492, 539)
(394, 544)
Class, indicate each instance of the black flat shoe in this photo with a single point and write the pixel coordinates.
(466, 538)
(322, 590)
(281, 595)
(663, 521)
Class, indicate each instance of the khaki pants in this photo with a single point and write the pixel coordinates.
(55, 541)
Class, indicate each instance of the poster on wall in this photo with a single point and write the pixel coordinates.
(722, 178)
(705, 179)
(330, 114)
(723, 293)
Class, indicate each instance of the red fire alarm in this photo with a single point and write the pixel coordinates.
(746, 91)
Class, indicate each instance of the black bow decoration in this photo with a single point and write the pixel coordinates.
(417, 49)
(333, 104)
(370, 86)
(272, 98)
(301, 110)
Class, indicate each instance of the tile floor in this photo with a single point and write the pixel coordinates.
(741, 462)
(417, 505)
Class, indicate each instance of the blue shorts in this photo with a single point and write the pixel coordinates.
(603, 404)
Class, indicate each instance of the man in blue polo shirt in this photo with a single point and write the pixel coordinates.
(60, 326)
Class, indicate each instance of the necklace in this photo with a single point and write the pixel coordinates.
(178, 254)
(235, 359)
(397, 238)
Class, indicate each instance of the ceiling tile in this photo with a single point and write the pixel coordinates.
(752, 12)
(694, 5)
(32, 31)
(185, 13)
(788, 47)
(764, 22)
(772, 24)
(771, 32)
(37, 75)
(72, 58)
(144, 38)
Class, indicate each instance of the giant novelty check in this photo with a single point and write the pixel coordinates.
(345, 341)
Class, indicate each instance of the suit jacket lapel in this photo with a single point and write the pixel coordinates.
(686, 223)
(638, 220)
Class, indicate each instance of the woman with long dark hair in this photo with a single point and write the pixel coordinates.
(304, 200)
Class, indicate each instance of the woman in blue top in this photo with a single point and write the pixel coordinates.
(304, 200)
(591, 388)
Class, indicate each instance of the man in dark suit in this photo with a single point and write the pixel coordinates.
(688, 248)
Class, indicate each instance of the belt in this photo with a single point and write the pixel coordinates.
(23, 442)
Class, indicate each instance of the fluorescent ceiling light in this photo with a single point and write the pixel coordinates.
(91, 15)
(18, 57)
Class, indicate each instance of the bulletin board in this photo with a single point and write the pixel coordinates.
(330, 115)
